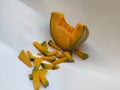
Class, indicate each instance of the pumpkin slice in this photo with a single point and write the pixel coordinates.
(53, 44)
(37, 62)
(49, 66)
(65, 36)
(41, 48)
(69, 57)
(24, 58)
(44, 44)
(44, 71)
(61, 60)
(48, 58)
(36, 80)
(43, 79)
(81, 54)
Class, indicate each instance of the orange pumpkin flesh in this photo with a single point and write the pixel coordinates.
(65, 35)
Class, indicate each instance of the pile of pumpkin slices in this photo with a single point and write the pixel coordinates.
(46, 60)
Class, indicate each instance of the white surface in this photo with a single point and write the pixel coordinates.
(21, 24)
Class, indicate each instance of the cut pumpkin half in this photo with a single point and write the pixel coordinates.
(66, 36)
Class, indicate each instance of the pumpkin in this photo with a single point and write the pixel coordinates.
(64, 35)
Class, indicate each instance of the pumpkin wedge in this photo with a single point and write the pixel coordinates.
(66, 36)
(24, 58)
(43, 79)
(81, 54)
(36, 80)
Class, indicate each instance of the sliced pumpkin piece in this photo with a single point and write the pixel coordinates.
(41, 48)
(43, 79)
(34, 70)
(36, 80)
(64, 35)
(24, 58)
(69, 57)
(81, 54)
(48, 58)
(61, 60)
(53, 44)
(49, 66)
(44, 71)
(50, 53)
